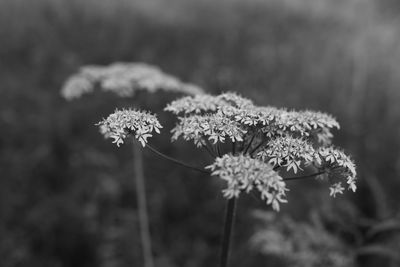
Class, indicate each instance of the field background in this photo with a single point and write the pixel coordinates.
(67, 196)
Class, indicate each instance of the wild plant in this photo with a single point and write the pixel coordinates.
(126, 80)
(254, 149)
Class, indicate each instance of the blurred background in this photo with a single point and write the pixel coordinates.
(67, 197)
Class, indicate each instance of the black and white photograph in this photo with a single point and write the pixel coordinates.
(199, 133)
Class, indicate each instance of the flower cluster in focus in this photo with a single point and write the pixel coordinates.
(124, 79)
(288, 152)
(254, 147)
(213, 127)
(122, 123)
(243, 173)
(285, 139)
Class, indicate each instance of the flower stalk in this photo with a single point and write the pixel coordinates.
(145, 235)
(227, 232)
(176, 161)
(264, 140)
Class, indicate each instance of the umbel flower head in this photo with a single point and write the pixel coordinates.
(123, 123)
(273, 139)
(243, 173)
(124, 79)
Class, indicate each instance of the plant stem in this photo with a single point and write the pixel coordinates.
(303, 177)
(258, 146)
(209, 151)
(210, 146)
(219, 149)
(249, 144)
(228, 225)
(142, 206)
(175, 160)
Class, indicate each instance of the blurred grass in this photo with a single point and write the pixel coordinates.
(338, 56)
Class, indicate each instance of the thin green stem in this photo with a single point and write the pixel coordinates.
(228, 226)
(142, 206)
(175, 160)
(249, 144)
(219, 150)
(209, 151)
(304, 176)
(210, 146)
(258, 146)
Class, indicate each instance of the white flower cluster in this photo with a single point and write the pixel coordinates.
(216, 118)
(288, 152)
(206, 103)
(303, 123)
(122, 123)
(244, 173)
(338, 164)
(124, 79)
(213, 127)
(292, 153)
(270, 120)
(283, 138)
(250, 115)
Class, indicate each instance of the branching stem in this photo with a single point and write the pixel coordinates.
(176, 161)
(304, 176)
(210, 146)
(249, 144)
(209, 151)
(258, 146)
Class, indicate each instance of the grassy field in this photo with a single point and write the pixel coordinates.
(65, 195)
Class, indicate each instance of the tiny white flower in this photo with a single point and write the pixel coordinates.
(336, 188)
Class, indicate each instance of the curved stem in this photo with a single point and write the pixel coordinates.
(304, 176)
(258, 146)
(142, 206)
(228, 226)
(175, 160)
(249, 144)
(210, 146)
(209, 151)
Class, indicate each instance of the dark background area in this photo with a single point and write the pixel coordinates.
(67, 196)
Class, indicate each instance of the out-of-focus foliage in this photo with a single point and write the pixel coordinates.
(67, 200)
(300, 244)
(333, 235)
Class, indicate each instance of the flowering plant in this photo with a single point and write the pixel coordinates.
(253, 147)
(124, 80)
(251, 144)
